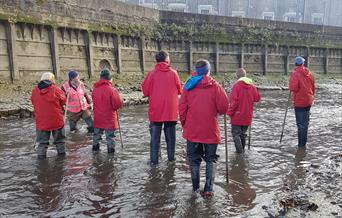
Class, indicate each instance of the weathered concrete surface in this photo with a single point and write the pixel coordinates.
(87, 35)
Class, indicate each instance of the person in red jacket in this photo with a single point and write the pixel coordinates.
(48, 100)
(106, 101)
(242, 98)
(201, 101)
(162, 86)
(302, 87)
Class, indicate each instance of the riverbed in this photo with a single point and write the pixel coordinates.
(124, 185)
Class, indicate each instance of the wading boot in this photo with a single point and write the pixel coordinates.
(41, 157)
(90, 129)
(96, 147)
(110, 150)
(89, 122)
(61, 154)
(195, 177)
(208, 195)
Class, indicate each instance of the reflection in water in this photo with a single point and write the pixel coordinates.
(298, 174)
(124, 185)
(239, 187)
(50, 176)
(102, 184)
(159, 190)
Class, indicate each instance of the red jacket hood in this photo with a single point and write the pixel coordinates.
(206, 82)
(243, 85)
(163, 66)
(102, 82)
(302, 70)
(46, 90)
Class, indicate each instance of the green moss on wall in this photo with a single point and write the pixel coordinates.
(40, 2)
(194, 32)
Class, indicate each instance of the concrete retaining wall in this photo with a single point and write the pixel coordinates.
(85, 36)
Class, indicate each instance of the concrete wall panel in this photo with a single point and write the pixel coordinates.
(4, 61)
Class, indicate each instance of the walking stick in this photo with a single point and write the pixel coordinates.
(66, 107)
(225, 140)
(226, 145)
(249, 136)
(160, 156)
(287, 106)
(120, 131)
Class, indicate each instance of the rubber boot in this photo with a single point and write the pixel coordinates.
(238, 144)
(195, 177)
(209, 178)
(73, 126)
(170, 138)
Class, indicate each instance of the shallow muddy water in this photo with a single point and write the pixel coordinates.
(125, 185)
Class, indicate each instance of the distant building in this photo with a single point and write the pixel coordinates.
(319, 12)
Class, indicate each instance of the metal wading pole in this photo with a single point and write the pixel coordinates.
(120, 130)
(249, 136)
(225, 139)
(287, 106)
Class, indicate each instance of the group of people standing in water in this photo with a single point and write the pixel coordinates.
(202, 99)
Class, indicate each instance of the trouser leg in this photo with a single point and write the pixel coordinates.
(194, 152)
(170, 138)
(89, 122)
(302, 121)
(243, 136)
(72, 125)
(59, 140)
(43, 142)
(155, 131)
(110, 135)
(73, 118)
(210, 158)
(88, 119)
(97, 137)
(236, 133)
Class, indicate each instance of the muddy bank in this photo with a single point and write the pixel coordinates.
(15, 98)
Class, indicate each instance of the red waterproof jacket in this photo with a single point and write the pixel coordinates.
(302, 86)
(106, 102)
(162, 86)
(198, 109)
(48, 104)
(242, 98)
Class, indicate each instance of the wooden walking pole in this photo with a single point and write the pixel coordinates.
(287, 106)
(66, 107)
(225, 140)
(159, 148)
(226, 145)
(120, 130)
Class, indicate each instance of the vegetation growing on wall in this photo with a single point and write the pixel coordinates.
(40, 2)
(191, 31)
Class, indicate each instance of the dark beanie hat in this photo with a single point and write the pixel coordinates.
(105, 74)
(72, 74)
(161, 56)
